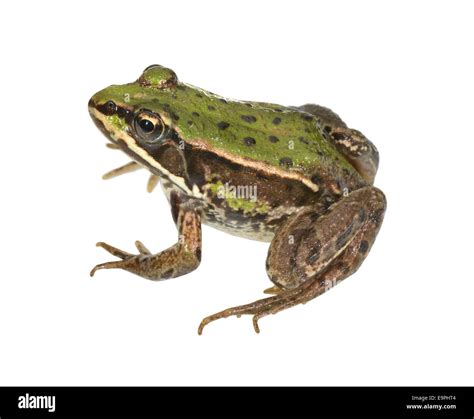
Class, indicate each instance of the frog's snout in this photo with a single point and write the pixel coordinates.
(91, 103)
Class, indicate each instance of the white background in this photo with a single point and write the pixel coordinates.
(401, 72)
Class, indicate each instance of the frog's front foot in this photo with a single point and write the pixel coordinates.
(129, 261)
(175, 261)
(179, 259)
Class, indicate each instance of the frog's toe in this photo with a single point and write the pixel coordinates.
(114, 251)
(106, 265)
(136, 264)
(142, 248)
(125, 256)
(273, 290)
(112, 146)
(153, 181)
(254, 309)
(216, 316)
(226, 313)
(126, 168)
(255, 323)
(270, 305)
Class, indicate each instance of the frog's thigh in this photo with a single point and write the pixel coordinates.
(309, 254)
(307, 247)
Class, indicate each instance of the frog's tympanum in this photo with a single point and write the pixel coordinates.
(296, 177)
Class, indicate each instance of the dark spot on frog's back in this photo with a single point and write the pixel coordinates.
(303, 140)
(248, 118)
(223, 100)
(249, 141)
(306, 117)
(175, 116)
(276, 121)
(223, 125)
(211, 108)
(196, 114)
(273, 139)
(286, 162)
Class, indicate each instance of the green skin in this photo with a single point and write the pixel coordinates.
(311, 178)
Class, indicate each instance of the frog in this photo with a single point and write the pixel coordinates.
(296, 177)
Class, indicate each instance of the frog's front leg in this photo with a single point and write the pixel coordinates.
(179, 259)
(310, 253)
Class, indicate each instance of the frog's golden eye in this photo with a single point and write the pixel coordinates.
(149, 127)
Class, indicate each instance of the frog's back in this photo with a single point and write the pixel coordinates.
(285, 139)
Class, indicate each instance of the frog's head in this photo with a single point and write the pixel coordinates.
(135, 116)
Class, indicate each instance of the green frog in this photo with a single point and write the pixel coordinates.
(296, 177)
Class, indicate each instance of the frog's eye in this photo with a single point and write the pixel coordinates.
(149, 127)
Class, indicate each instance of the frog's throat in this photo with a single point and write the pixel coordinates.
(143, 156)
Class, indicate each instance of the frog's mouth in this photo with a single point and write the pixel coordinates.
(103, 121)
(114, 128)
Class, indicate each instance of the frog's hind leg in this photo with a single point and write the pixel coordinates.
(312, 253)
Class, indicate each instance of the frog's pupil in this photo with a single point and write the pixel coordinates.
(146, 125)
